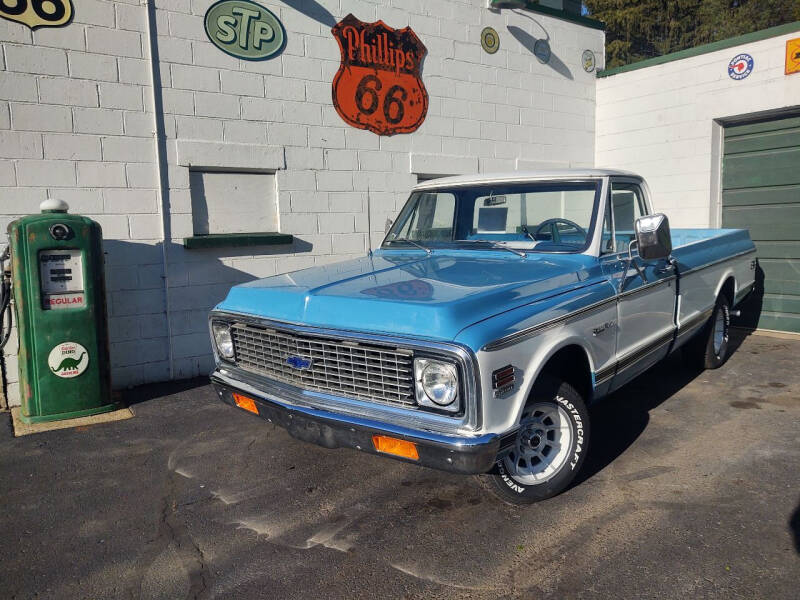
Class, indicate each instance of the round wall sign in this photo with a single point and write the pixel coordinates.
(490, 41)
(541, 49)
(244, 29)
(587, 60)
(68, 359)
(740, 66)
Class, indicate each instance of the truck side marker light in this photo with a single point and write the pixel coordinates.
(503, 380)
(246, 403)
(390, 445)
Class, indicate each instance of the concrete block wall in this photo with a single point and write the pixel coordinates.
(663, 122)
(486, 113)
(77, 122)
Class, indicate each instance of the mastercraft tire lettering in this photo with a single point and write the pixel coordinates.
(550, 448)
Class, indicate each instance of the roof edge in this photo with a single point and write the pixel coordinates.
(565, 16)
(522, 177)
(754, 36)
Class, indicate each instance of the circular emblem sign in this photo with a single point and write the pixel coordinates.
(244, 29)
(587, 60)
(740, 66)
(68, 359)
(490, 41)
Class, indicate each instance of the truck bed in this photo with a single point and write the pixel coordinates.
(707, 258)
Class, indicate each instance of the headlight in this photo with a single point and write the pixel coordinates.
(436, 384)
(222, 338)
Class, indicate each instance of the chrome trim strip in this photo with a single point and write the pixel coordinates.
(471, 420)
(604, 374)
(646, 286)
(633, 357)
(607, 373)
(518, 336)
(460, 440)
(533, 330)
(716, 262)
(696, 321)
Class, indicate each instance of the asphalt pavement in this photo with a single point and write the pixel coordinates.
(692, 490)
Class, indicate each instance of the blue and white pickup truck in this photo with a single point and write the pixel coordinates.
(497, 308)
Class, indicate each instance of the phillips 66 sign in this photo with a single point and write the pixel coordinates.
(37, 13)
(378, 86)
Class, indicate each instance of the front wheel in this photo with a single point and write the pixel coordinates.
(549, 448)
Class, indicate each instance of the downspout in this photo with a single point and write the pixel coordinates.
(161, 165)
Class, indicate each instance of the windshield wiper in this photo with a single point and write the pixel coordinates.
(412, 242)
(527, 232)
(496, 245)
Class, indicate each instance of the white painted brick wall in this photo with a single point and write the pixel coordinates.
(81, 129)
(658, 121)
(76, 123)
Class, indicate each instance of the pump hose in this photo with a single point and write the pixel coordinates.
(5, 300)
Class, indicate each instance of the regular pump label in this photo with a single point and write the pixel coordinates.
(61, 276)
(68, 359)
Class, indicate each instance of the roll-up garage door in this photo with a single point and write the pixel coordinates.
(761, 192)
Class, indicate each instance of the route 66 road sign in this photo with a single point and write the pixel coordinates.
(37, 13)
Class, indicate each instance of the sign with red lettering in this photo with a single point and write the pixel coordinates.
(51, 302)
(378, 86)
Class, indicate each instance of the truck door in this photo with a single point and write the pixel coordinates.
(646, 306)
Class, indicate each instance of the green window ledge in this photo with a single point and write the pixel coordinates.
(224, 240)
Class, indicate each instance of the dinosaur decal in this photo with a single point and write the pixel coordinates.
(68, 359)
(69, 363)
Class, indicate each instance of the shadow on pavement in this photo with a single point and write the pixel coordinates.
(145, 393)
(619, 419)
(794, 525)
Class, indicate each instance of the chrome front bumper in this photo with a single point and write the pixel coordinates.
(456, 454)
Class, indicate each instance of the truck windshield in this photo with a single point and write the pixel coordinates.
(539, 216)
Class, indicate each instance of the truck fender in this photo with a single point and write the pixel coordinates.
(728, 273)
(540, 358)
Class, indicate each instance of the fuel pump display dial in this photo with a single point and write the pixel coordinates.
(61, 276)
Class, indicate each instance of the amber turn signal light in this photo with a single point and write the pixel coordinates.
(246, 403)
(394, 446)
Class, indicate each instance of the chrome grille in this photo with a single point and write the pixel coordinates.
(351, 369)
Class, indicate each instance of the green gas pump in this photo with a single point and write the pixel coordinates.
(60, 304)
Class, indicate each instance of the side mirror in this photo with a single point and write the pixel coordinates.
(388, 226)
(653, 238)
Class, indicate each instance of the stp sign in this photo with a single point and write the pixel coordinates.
(378, 85)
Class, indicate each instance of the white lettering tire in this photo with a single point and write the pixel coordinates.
(549, 449)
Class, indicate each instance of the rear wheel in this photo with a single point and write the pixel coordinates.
(549, 448)
(709, 348)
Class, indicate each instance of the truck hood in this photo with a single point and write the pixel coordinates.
(410, 293)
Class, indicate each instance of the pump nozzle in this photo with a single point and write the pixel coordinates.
(5, 298)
